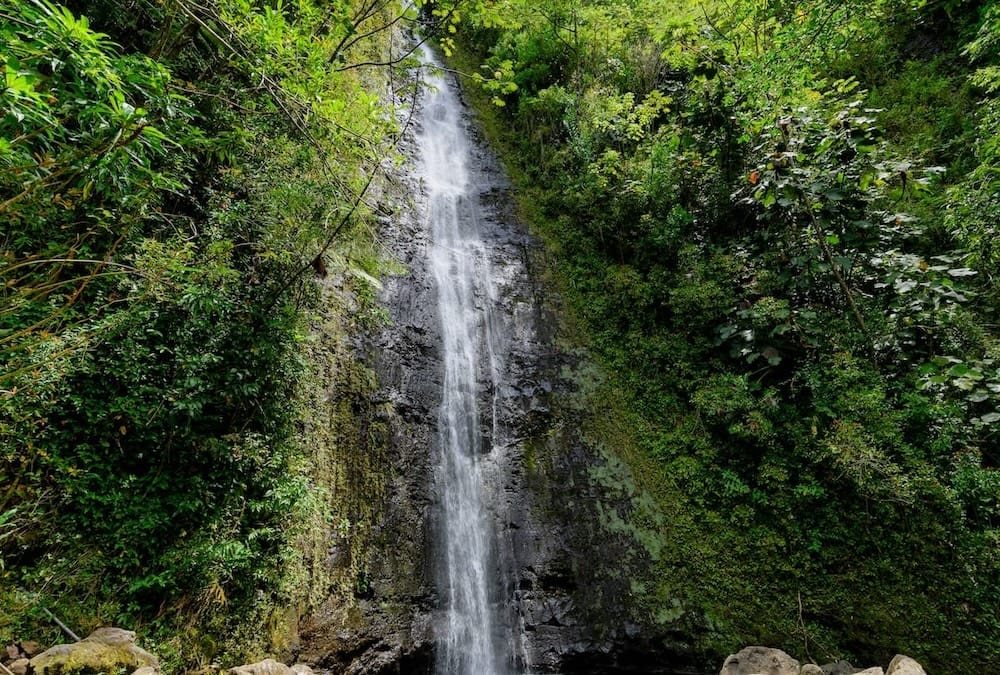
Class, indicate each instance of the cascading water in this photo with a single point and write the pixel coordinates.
(472, 642)
(477, 499)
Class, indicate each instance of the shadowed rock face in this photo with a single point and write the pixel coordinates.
(561, 607)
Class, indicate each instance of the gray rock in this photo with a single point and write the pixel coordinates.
(302, 669)
(106, 649)
(109, 635)
(760, 661)
(871, 671)
(265, 667)
(839, 668)
(904, 665)
(811, 669)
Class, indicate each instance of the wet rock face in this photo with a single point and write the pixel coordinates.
(564, 614)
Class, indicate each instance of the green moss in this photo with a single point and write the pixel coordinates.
(345, 457)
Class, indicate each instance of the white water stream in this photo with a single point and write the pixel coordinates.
(472, 642)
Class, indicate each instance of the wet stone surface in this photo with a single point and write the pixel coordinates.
(560, 611)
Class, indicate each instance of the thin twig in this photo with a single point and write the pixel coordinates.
(805, 633)
(828, 254)
(61, 624)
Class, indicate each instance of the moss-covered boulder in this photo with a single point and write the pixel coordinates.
(106, 650)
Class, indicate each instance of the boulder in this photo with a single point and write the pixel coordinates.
(811, 669)
(302, 669)
(106, 649)
(19, 667)
(265, 667)
(760, 661)
(13, 652)
(904, 665)
(839, 668)
(871, 671)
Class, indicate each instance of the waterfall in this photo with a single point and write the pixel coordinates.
(472, 640)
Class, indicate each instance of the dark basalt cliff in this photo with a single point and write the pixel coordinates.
(568, 579)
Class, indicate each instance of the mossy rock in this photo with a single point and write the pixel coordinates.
(106, 650)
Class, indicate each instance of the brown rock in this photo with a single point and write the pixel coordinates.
(146, 670)
(30, 648)
(904, 665)
(13, 652)
(760, 660)
(302, 669)
(19, 667)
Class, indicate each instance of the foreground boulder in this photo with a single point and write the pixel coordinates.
(766, 661)
(270, 667)
(904, 665)
(760, 661)
(104, 650)
(265, 667)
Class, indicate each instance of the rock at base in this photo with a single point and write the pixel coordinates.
(30, 648)
(760, 661)
(839, 668)
(265, 667)
(19, 667)
(106, 649)
(904, 665)
(811, 669)
(871, 671)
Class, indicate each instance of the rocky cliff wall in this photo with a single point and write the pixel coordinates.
(569, 576)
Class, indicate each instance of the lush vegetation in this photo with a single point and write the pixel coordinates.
(776, 222)
(173, 177)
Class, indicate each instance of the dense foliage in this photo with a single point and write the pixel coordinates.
(776, 222)
(171, 175)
